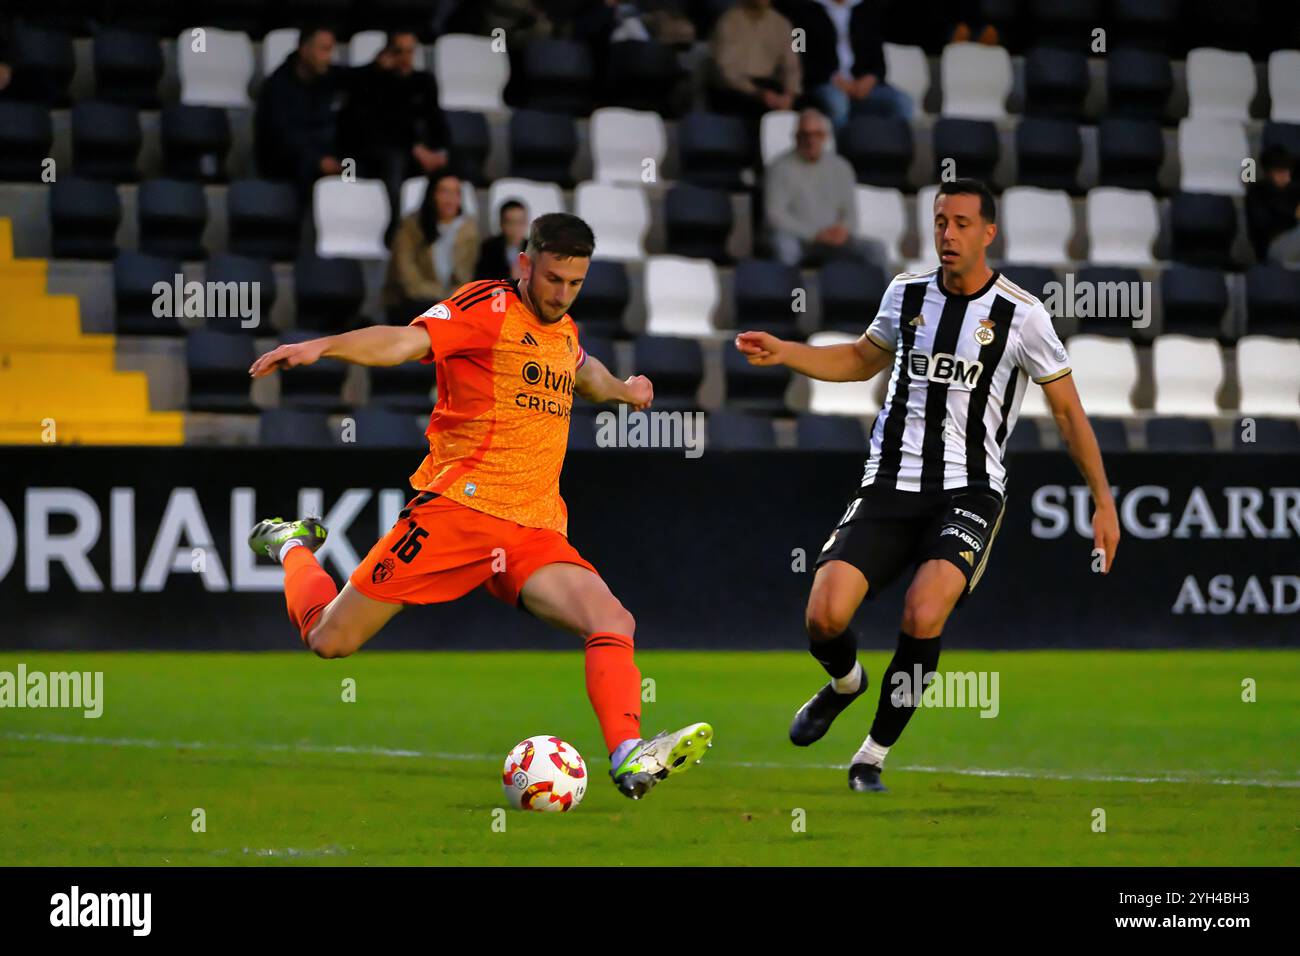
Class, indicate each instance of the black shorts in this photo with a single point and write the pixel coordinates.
(885, 532)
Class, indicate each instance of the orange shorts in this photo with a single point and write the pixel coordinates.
(440, 550)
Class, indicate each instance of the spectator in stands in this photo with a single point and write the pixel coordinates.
(392, 124)
(809, 198)
(1273, 209)
(844, 60)
(434, 251)
(756, 67)
(499, 256)
(295, 124)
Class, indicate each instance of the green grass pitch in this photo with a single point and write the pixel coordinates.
(287, 772)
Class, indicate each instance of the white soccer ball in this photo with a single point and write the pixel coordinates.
(544, 773)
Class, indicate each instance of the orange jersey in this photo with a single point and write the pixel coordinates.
(498, 434)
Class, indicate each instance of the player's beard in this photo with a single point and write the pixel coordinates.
(541, 309)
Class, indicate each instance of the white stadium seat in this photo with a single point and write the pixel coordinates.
(471, 75)
(219, 73)
(1220, 84)
(1122, 226)
(350, 218)
(976, 80)
(538, 198)
(1188, 374)
(907, 69)
(882, 217)
(1105, 373)
(840, 398)
(1038, 225)
(776, 134)
(681, 296)
(926, 258)
(365, 46)
(1268, 371)
(1210, 153)
(413, 191)
(618, 215)
(622, 140)
(1284, 86)
(277, 45)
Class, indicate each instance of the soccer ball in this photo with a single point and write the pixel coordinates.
(544, 773)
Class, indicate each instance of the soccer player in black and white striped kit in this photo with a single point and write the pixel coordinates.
(964, 343)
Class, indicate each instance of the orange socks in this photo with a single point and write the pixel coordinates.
(614, 686)
(307, 588)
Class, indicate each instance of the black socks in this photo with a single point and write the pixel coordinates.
(899, 695)
(838, 655)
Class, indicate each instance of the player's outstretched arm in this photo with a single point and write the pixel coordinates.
(851, 362)
(1063, 399)
(598, 384)
(377, 345)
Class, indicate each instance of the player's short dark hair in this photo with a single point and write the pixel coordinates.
(310, 28)
(508, 205)
(973, 187)
(561, 234)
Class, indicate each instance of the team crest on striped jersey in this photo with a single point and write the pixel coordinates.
(984, 332)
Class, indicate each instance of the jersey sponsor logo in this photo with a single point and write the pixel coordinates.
(439, 311)
(944, 368)
(962, 535)
(972, 515)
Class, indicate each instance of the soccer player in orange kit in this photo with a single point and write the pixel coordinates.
(508, 363)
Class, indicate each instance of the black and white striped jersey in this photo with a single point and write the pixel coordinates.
(961, 367)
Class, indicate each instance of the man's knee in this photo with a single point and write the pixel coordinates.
(329, 641)
(824, 621)
(612, 618)
(925, 614)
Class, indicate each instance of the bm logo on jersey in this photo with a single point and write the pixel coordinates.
(944, 368)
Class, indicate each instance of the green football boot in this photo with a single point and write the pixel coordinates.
(661, 756)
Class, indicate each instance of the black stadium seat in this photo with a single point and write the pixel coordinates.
(218, 371)
(1066, 24)
(764, 296)
(698, 222)
(1099, 277)
(973, 144)
(754, 388)
(558, 76)
(128, 66)
(676, 366)
(1024, 437)
(294, 428)
(1130, 153)
(251, 273)
(605, 295)
(172, 216)
(1056, 82)
(105, 141)
(1033, 279)
(643, 75)
(713, 149)
(195, 140)
(1138, 84)
(601, 349)
(738, 431)
(382, 428)
(26, 134)
(1269, 434)
(542, 146)
(470, 144)
(84, 216)
(43, 64)
(327, 293)
(1203, 226)
(318, 386)
(830, 433)
(1286, 135)
(1273, 300)
(1193, 300)
(134, 276)
(1111, 433)
(850, 294)
(406, 387)
(263, 219)
(880, 150)
(1179, 434)
(1048, 153)
(1147, 24)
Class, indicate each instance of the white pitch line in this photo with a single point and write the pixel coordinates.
(1178, 777)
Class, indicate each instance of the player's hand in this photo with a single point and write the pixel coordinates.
(640, 393)
(1105, 533)
(288, 356)
(761, 348)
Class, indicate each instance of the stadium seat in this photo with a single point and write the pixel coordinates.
(763, 295)
(1138, 84)
(1268, 372)
(776, 134)
(1025, 436)
(134, 276)
(1267, 435)
(26, 135)
(1112, 435)
(908, 70)
(1286, 135)
(1284, 86)
(601, 349)
(263, 219)
(739, 431)
(538, 198)
(1114, 306)
(382, 428)
(882, 218)
(754, 388)
(1037, 225)
(850, 295)
(128, 67)
(350, 218)
(1273, 300)
(558, 76)
(676, 366)
(1105, 372)
(412, 193)
(471, 74)
(1194, 300)
(642, 75)
(605, 295)
(698, 222)
(84, 216)
(327, 293)
(1188, 375)
(407, 387)
(250, 273)
(1220, 85)
(1122, 227)
(880, 150)
(619, 216)
(542, 146)
(1143, 23)
(582, 428)
(318, 386)
(1203, 228)
(1130, 153)
(277, 46)
(219, 74)
(972, 144)
(365, 45)
(172, 216)
(976, 81)
(621, 143)
(1056, 82)
(713, 149)
(1179, 434)
(218, 364)
(681, 296)
(195, 141)
(294, 428)
(105, 141)
(928, 258)
(840, 398)
(1210, 154)
(1065, 24)
(1032, 279)
(42, 62)
(830, 433)
(470, 145)
(1048, 153)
